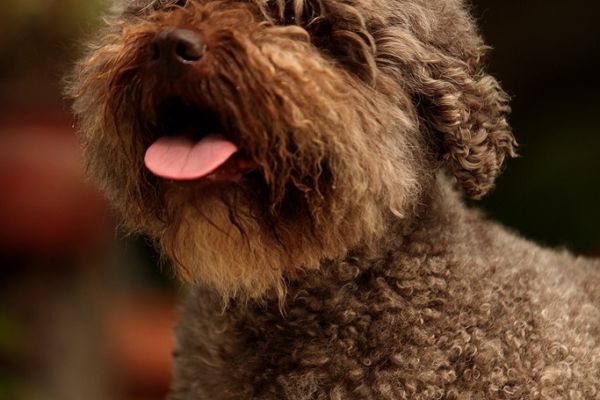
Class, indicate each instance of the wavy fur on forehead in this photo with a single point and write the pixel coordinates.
(347, 107)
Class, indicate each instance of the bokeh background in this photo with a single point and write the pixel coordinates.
(85, 314)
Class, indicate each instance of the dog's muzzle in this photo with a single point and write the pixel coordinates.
(189, 143)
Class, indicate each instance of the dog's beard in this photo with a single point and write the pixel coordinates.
(225, 247)
(232, 240)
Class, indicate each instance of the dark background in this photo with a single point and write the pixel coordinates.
(86, 315)
(547, 55)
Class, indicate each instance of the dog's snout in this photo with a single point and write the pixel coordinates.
(177, 47)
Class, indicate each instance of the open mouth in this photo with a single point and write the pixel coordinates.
(192, 144)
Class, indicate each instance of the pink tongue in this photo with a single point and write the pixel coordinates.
(180, 158)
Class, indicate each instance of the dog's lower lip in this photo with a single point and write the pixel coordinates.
(224, 175)
(232, 171)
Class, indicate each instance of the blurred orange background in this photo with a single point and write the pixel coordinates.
(83, 314)
(86, 314)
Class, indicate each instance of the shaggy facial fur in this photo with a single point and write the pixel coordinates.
(346, 108)
(373, 279)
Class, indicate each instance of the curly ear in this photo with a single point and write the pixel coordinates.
(466, 110)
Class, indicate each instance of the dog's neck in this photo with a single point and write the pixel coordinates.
(435, 222)
(436, 227)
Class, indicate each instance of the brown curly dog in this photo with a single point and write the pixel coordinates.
(296, 159)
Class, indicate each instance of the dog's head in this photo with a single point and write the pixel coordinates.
(255, 138)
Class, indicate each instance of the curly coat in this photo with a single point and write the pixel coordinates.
(344, 266)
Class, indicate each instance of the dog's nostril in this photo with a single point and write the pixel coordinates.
(189, 46)
(189, 53)
(179, 45)
(154, 51)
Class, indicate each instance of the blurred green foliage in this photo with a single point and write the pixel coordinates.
(37, 37)
(552, 192)
(11, 349)
(547, 57)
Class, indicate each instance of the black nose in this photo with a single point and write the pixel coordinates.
(176, 47)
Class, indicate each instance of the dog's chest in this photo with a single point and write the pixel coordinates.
(394, 327)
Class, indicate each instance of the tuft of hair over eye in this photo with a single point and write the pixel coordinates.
(293, 12)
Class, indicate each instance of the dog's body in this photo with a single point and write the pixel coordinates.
(292, 157)
(452, 307)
